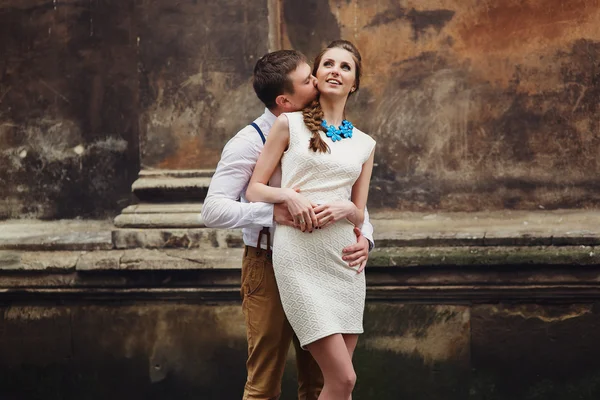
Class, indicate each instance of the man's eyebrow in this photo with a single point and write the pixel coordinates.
(308, 77)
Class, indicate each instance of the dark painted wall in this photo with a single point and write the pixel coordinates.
(91, 90)
(408, 351)
(68, 107)
(170, 351)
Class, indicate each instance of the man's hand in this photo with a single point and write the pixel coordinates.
(282, 215)
(357, 254)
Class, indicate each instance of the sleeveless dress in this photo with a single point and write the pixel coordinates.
(320, 293)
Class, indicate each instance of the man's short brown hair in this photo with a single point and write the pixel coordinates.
(271, 75)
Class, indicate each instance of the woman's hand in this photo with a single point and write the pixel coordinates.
(301, 209)
(332, 212)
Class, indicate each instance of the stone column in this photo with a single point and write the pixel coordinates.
(195, 64)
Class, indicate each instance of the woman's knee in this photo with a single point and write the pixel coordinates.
(350, 380)
(346, 381)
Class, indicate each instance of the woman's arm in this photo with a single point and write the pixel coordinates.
(360, 192)
(353, 210)
(258, 190)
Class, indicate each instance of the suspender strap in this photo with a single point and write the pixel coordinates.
(264, 231)
(259, 132)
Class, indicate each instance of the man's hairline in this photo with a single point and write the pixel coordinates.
(287, 76)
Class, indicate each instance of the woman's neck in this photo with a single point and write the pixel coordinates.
(333, 110)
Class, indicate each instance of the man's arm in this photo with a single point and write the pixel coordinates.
(221, 207)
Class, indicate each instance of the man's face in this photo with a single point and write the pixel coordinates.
(305, 89)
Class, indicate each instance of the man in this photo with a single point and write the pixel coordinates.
(283, 82)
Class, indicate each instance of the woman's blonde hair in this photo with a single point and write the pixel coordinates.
(313, 113)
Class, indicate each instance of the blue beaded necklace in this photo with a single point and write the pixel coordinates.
(338, 133)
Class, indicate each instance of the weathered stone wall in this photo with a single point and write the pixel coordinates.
(475, 105)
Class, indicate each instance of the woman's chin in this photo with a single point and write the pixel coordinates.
(333, 92)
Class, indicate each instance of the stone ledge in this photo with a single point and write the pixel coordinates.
(180, 225)
(484, 255)
(207, 257)
(465, 294)
(127, 259)
(154, 220)
(427, 275)
(177, 238)
(55, 235)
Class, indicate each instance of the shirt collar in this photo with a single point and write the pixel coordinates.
(269, 117)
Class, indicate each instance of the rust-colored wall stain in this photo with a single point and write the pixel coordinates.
(190, 152)
(476, 105)
(197, 63)
(510, 25)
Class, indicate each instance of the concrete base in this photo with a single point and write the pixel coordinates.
(169, 199)
(161, 216)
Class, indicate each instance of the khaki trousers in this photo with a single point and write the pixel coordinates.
(270, 334)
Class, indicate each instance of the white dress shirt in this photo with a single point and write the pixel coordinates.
(221, 207)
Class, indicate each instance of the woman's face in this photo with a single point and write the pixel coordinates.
(336, 73)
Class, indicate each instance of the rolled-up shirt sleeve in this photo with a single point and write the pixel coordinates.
(221, 208)
(367, 230)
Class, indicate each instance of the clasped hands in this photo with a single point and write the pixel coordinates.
(299, 212)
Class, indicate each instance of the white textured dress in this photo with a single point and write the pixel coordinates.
(320, 293)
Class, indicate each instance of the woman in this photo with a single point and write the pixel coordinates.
(330, 162)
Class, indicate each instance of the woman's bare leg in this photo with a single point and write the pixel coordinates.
(350, 341)
(332, 355)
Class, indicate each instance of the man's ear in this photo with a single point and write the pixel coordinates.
(282, 101)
